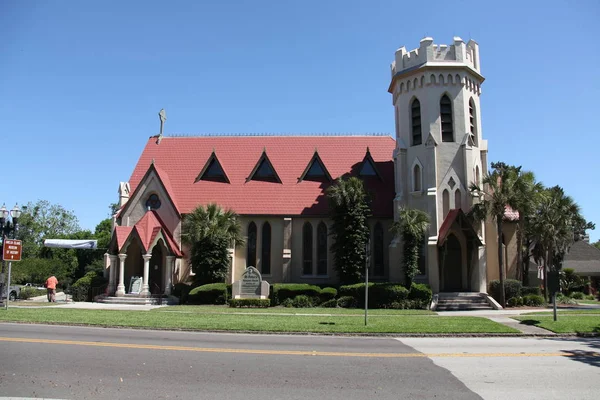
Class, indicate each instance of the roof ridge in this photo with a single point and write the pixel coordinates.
(279, 134)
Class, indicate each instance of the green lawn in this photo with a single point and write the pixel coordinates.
(566, 312)
(265, 323)
(565, 324)
(284, 310)
(593, 302)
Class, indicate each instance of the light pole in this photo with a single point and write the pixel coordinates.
(8, 230)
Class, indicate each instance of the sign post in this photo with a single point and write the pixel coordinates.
(11, 251)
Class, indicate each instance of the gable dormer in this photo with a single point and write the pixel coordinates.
(264, 171)
(212, 171)
(368, 168)
(315, 170)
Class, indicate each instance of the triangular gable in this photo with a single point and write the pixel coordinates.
(457, 215)
(368, 167)
(149, 228)
(263, 170)
(120, 235)
(315, 170)
(213, 170)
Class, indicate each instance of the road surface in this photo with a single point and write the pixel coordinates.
(91, 363)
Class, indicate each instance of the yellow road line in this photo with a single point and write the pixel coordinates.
(293, 352)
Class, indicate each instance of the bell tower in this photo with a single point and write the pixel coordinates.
(440, 149)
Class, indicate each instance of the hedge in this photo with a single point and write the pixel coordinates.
(387, 295)
(515, 302)
(533, 300)
(525, 290)
(213, 293)
(420, 291)
(82, 289)
(255, 303)
(512, 288)
(347, 302)
(282, 291)
(29, 292)
(328, 294)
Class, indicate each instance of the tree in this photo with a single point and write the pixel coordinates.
(349, 209)
(499, 190)
(597, 244)
(411, 226)
(210, 231)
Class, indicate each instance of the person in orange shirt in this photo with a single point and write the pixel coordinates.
(51, 288)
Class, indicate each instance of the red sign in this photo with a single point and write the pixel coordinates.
(11, 251)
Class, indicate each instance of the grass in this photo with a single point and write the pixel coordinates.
(32, 304)
(257, 323)
(570, 324)
(284, 310)
(566, 312)
(592, 302)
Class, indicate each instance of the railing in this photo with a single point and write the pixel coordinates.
(156, 293)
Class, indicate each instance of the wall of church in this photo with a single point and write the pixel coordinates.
(510, 253)
(241, 252)
(297, 274)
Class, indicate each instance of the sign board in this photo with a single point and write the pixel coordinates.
(11, 250)
(135, 285)
(251, 286)
(553, 282)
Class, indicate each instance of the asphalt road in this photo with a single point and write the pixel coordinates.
(88, 363)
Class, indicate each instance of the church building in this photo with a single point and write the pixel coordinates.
(277, 184)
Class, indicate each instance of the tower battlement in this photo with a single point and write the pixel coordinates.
(459, 52)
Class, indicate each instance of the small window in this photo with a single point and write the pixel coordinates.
(264, 171)
(251, 256)
(457, 199)
(368, 169)
(445, 202)
(446, 117)
(153, 202)
(212, 171)
(415, 115)
(378, 267)
(307, 249)
(265, 259)
(315, 171)
(417, 178)
(473, 121)
(322, 249)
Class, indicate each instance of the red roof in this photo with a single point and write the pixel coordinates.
(456, 215)
(149, 226)
(179, 160)
(122, 233)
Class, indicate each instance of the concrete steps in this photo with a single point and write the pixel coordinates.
(135, 300)
(462, 302)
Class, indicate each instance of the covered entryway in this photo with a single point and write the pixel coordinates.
(452, 265)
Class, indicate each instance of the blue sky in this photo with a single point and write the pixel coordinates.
(81, 83)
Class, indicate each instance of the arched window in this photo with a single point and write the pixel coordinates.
(446, 117)
(415, 115)
(473, 121)
(445, 202)
(265, 259)
(417, 178)
(322, 249)
(251, 256)
(153, 202)
(307, 249)
(378, 268)
(457, 199)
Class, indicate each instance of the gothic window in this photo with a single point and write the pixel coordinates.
(368, 169)
(307, 249)
(153, 202)
(322, 249)
(477, 177)
(417, 178)
(251, 256)
(446, 117)
(445, 202)
(415, 117)
(457, 199)
(316, 171)
(213, 171)
(265, 258)
(264, 171)
(473, 121)
(378, 268)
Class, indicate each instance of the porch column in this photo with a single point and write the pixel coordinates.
(169, 274)
(121, 287)
(145, 288)
(112, 273)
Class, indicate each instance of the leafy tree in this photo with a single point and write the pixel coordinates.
(411, 226)
(350, 210)
(597, 244)
(210, 231)
(499, 190)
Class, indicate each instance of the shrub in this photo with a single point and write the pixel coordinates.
(516, 301)
(409, 305)
(512, 288)
(562, 299)
(384, 294)
(29, 292)
(302, 301)
(347, 302)
(282, 291)
(578, 295)
(525, 290)
(590, 297)
(420, 291)
(181, 290)
(288, 303)
(213, 293)
(356, 291)
(82, 289)
(250, 303)
(329, 303)
(533, 300)
(328, 294)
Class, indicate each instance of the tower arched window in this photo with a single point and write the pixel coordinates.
(265, 259)
(322, 249)
(445, 202)
(417, 178)
(473, 121)
(415, 118)
(251, 255)
(378, 268)
(307, 249)
(446, 117)
(457, 199)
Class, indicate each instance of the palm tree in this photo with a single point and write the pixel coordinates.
(411, 226)
(350, 210)
(210, 231)
(499, 191)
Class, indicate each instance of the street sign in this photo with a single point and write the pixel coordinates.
(11, 250)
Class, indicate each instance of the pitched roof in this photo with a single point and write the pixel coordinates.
(456, 215)
(584, 258)
(180, 160)
(121, 233)
(149, 226)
